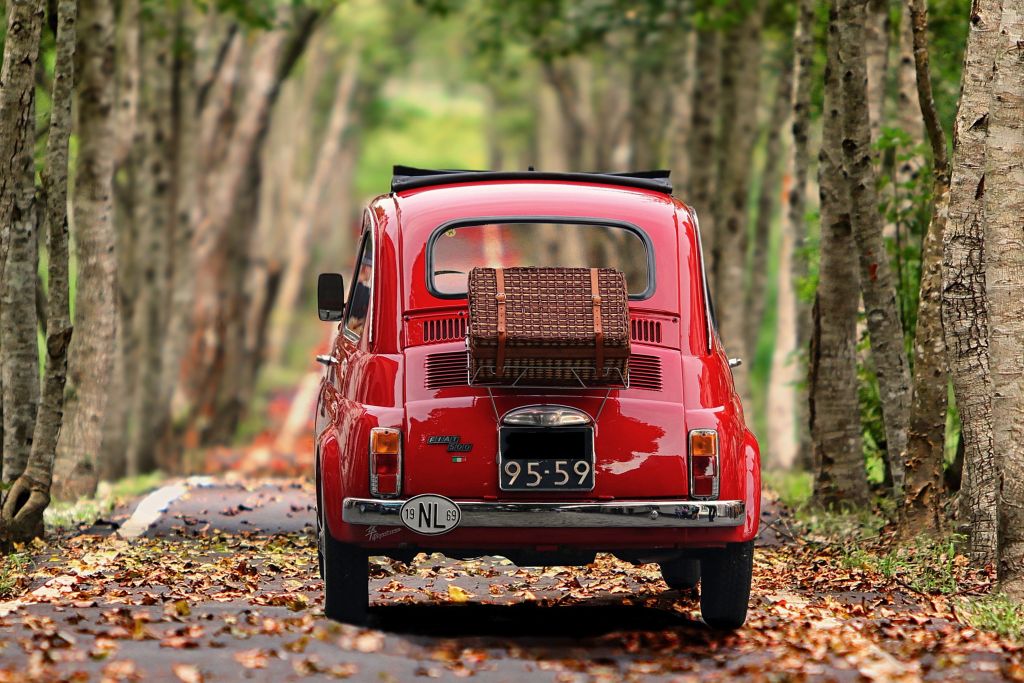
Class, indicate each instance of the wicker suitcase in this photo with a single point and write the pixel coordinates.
(548, 327)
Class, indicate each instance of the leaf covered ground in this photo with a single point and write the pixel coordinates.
(226, 588)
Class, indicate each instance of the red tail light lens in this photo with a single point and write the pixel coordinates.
(385, 461)
(704, 463)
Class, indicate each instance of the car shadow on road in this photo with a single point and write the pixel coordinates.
(591, 620)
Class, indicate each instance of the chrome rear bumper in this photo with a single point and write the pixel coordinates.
(635, 514)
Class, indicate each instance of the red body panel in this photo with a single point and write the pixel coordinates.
(382, 379)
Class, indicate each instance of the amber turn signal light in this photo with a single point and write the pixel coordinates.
(384, 441)
(703, 442)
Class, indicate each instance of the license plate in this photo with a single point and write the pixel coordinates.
(546, 459)
(546, 474)
(430, 514)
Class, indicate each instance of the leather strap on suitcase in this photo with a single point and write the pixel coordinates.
(595, 292)
(499, 276)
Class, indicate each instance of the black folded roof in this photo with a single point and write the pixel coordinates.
(409, 178)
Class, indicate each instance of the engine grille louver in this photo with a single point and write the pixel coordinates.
(644, 330)
(450, 370)
(444, 329)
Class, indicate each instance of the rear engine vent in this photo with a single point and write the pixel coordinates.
(444, 329)
(644, 372)
(447, 370)
(643, 330)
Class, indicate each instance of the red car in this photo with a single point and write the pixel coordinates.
(413, 455)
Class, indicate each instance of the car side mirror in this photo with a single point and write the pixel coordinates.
(330, 296)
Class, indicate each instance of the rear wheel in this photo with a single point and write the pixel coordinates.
(725, 578)
(346, 580)
(681, 574)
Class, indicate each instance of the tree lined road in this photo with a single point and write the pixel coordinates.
(223, 586)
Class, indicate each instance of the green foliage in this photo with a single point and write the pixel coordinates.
(13, 573)
(997, 613)
(925, 565)
(794, 487)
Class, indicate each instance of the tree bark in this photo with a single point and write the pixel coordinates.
(922, 508)
(20, 374)
(91, 355)
(703, 141)
(22, 514)
(876, 55)
(152, 244)
(878, 286)
(768, 201)
(964, 312)
(1004, 287)
(839, 475)
(741, 64)
(796, 224)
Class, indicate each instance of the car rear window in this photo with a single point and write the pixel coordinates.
(455, 250)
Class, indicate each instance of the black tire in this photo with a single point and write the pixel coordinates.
(346, 581)
(681, 574)
(725, 577)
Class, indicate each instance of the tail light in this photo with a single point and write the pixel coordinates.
(385, 461)
(704, 464)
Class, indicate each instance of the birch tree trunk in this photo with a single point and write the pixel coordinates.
(1004, 286)
(22, 515)
(91, 355)
(876, 55)
(964, 312)
(796, 224)
(878, 286)
(768, 202)
(20, 370)
(839, 475)
(741, 62)
(922, 508)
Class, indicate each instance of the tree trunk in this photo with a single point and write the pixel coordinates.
(152, 245)
(876, 55)
(768, 202)
(1004, 286)
(299, 246)
(91, 356)
(22, 514)
(878, 286)
(964, 312)
(839, 475)
(20, 370)
(703, 149)
(561, 78)
(796, 224)
(741, 64)
(922, 509)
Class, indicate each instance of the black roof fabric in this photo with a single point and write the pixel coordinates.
(409, 178)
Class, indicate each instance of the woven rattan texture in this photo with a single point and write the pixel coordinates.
(549, 320)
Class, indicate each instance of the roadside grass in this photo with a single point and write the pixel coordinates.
(997, 613)
(65, 516)
(13, 573)
(925, 565)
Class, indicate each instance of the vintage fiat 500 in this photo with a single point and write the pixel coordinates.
(418, 452)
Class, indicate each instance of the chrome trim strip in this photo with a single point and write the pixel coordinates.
(635, 514)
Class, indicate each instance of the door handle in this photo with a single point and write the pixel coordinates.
(735, 362)
(327, 360)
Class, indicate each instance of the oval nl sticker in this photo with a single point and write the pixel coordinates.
(431, 514)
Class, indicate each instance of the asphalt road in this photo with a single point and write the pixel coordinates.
(253, 611)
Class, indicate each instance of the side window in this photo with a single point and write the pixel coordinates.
(360, 295)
